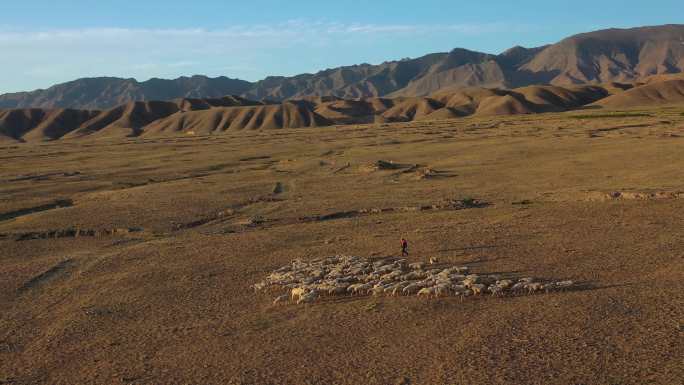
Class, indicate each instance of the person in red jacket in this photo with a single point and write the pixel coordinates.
(404, 247)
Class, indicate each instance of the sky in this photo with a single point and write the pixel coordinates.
(45, 42)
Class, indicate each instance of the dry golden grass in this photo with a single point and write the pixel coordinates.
(173, 231)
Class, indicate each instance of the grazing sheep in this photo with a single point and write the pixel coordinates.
(308, 297)
(391, 276)
(478, 288)
(470, 280)
(456, 277)
(352, 288)
(378, 290)
(487, 280)
(495, 290)
(426, 291)
(441, 290)
(363, 288)
(412, 288)
(338, 290)
(280, 299)
(414, 275)
(297, 293)
(339, 275)
(260, 286)
(389, 289)
(518, 286)
(399, 287)
(324, 287)
(416, 265)
(534, 287)
(459, 290)
(397, 290)
(564, 284)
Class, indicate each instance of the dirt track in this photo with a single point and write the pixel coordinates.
(152, 285)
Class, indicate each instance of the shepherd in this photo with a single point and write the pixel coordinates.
(404, 247)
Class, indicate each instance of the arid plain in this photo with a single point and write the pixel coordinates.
(131, 260)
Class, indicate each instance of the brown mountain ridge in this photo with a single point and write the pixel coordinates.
(231, 113)
(600, 57)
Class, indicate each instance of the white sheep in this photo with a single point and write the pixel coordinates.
(378, 290)
(471, 280)
(352, 288)
(308, 297)
(338, 275)
(412, 288)
(564, 284)
(459, 290)
(495, 290)
(416, 265)
(297, 293)
(280, 299)
(426, 291)
(340, 288)
(441, 290)
(260, 286)
(363, 288)
(518, 286)
(397, 290)
(478, 288)
(534, 287)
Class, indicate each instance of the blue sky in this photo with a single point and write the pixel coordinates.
(46, 41)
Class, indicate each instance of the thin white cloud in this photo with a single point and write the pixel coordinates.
(38, 58)
(290, 28)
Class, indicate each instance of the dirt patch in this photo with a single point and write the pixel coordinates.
(36, 209)
(341, 168)
(44, 176)
(223, 214)
(254, 158)
(384, 165)
(447, 205)
(72, 233)
(59, 270)
(596, 133)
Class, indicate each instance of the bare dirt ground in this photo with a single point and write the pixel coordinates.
(131, 261)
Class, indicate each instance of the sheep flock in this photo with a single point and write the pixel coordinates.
(307, 281)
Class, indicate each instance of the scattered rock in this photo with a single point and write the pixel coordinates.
(279, 188)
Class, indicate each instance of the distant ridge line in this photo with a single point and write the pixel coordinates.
(599, 57)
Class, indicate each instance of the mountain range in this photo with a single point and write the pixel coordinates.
(213, 116)
(600, 57)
